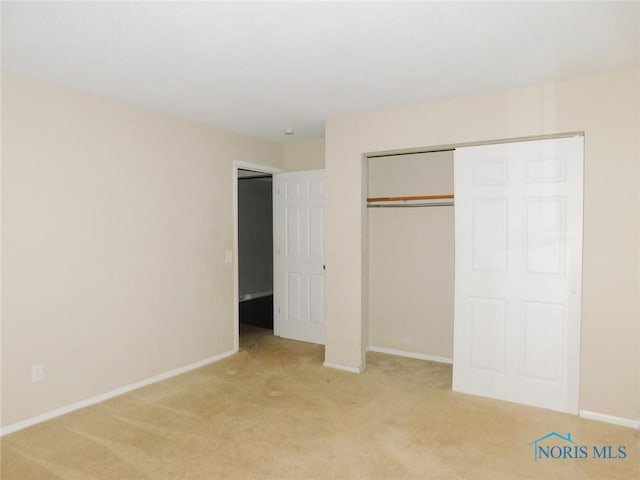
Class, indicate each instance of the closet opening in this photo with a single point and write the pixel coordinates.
(411, 255)
(515, 285)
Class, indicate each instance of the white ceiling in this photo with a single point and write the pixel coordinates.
(259, 68)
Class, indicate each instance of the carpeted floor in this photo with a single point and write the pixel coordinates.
(273, 412)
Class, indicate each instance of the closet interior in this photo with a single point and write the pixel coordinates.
(411, 254)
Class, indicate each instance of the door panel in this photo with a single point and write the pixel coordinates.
(518, 215)
(490, 235)
(488, 325)
(299, 249)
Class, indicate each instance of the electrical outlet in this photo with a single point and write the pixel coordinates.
(228, 256)
(37, 373)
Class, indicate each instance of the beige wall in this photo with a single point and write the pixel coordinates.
(304, 155)
(411, 256)
(606, 108)
(115, 224)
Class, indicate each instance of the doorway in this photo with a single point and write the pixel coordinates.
(254, 251)
(287, 295)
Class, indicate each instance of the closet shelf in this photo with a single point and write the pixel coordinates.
(409, 198)
(411, 201)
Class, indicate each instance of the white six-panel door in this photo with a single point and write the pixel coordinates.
(518, 268)
(299, 253)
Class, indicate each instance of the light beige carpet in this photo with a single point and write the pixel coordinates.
(273, 412)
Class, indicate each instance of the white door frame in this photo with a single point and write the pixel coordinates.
(240, 165)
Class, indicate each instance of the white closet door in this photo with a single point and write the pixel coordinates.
(518, 255)
(299, 244)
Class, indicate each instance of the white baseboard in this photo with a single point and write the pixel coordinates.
(601, 417)
(419, 356)
(113, 393)
(339, 366)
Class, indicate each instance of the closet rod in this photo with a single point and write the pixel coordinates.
(409, 198)
(402, 205)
